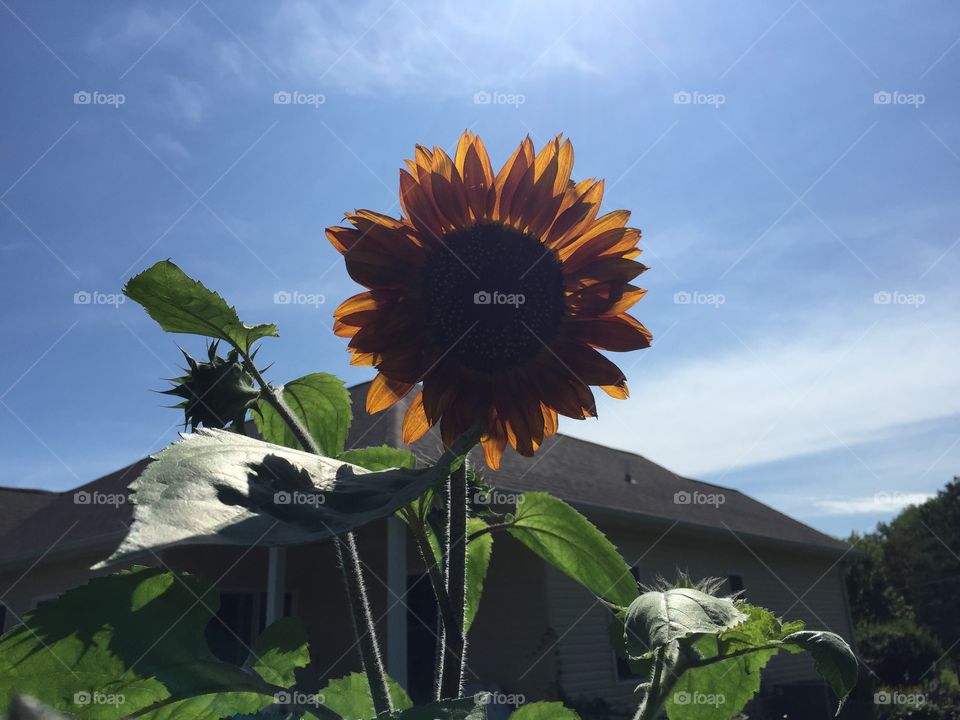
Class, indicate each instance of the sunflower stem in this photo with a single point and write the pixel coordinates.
(455, 645)
(348, 558)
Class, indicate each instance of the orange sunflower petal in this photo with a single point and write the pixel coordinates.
(415, 423)
(384, 393)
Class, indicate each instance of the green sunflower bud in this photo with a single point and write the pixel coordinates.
(215, 393)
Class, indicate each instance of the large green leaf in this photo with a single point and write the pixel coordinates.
(382, 457)
(279, 650)
(222, 488)
(727, 674)
(479, 551)
(544, 711)
(571, 543)
(123, 643)
(350, 697)
(181, 304)
(832, 657)
(474, 708)
(323, 405)
(657, 618)
(718, 691)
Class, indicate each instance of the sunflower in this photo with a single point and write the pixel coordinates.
(493, 291)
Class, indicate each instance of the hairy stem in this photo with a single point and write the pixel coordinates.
(348, 558)
(437, 582)
(454, 660)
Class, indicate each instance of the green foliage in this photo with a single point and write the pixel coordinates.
(464, 709)
(123, 643)
(279, 651)
(322, 404)
(217, 486)
(709, 652)
(900, 652)
(181, 304)
(657, 618)
(544, 711)
(479, 551)
(350, 698)
(382, 457)
(567, 540)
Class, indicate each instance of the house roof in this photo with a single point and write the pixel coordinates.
(583, 473)
(16, 504)
(594, 476)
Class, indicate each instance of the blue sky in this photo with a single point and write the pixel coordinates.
(794, 167)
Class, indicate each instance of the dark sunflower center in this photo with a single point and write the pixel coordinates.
(494, 296)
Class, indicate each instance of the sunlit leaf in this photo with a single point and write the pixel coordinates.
(323, 405)
(544, 711)
(350, 697)
(279, 650)
(381, 457)
(218, 487)
(124, 643)
(571, 543)
(181, 304)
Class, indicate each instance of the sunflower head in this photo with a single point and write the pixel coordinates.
(215, 393)
(495, 291)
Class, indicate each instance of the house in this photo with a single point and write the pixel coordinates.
(537, 634)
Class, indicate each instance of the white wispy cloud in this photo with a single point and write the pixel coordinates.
(803, 389)
(881, 503)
